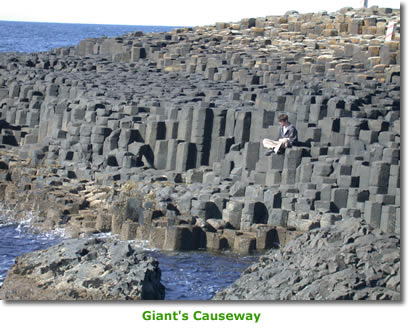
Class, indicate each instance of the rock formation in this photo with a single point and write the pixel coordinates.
(348, 260)
(94, 269)
(158, 136)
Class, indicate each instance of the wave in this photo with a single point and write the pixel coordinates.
(25, 224)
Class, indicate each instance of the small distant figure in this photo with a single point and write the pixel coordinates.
(287, 137)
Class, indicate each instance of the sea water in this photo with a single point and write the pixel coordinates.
(29, 37)
(17, 239)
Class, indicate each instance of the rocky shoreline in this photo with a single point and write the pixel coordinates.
(347, 261)
(91, 269)
(157, 136)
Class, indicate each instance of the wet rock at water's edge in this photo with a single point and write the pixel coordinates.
(77, 269)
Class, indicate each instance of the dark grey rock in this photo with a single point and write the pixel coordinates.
(347, 261)
(79, 269)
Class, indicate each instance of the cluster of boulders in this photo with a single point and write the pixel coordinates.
(95, 269)
(158, 136)
(347, 261)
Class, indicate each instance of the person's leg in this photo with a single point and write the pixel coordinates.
(271, 145)
(282, 143)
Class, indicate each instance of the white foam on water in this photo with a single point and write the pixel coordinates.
(143, 244)
(107, 235)
(25, 224)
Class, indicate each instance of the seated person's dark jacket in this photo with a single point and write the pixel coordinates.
(291, 134)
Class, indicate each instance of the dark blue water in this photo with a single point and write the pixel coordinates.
(199, 275)
(28, 37)
(16, 240)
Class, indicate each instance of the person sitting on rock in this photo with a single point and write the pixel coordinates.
(287, 136)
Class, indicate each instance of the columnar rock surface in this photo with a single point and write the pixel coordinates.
(168, 126)
(349, 260)
(94, 269)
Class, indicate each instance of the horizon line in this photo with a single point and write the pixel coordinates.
(50, 22)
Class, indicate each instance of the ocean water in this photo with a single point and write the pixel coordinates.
(17, 239)
(199, 275)
(28, 37)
